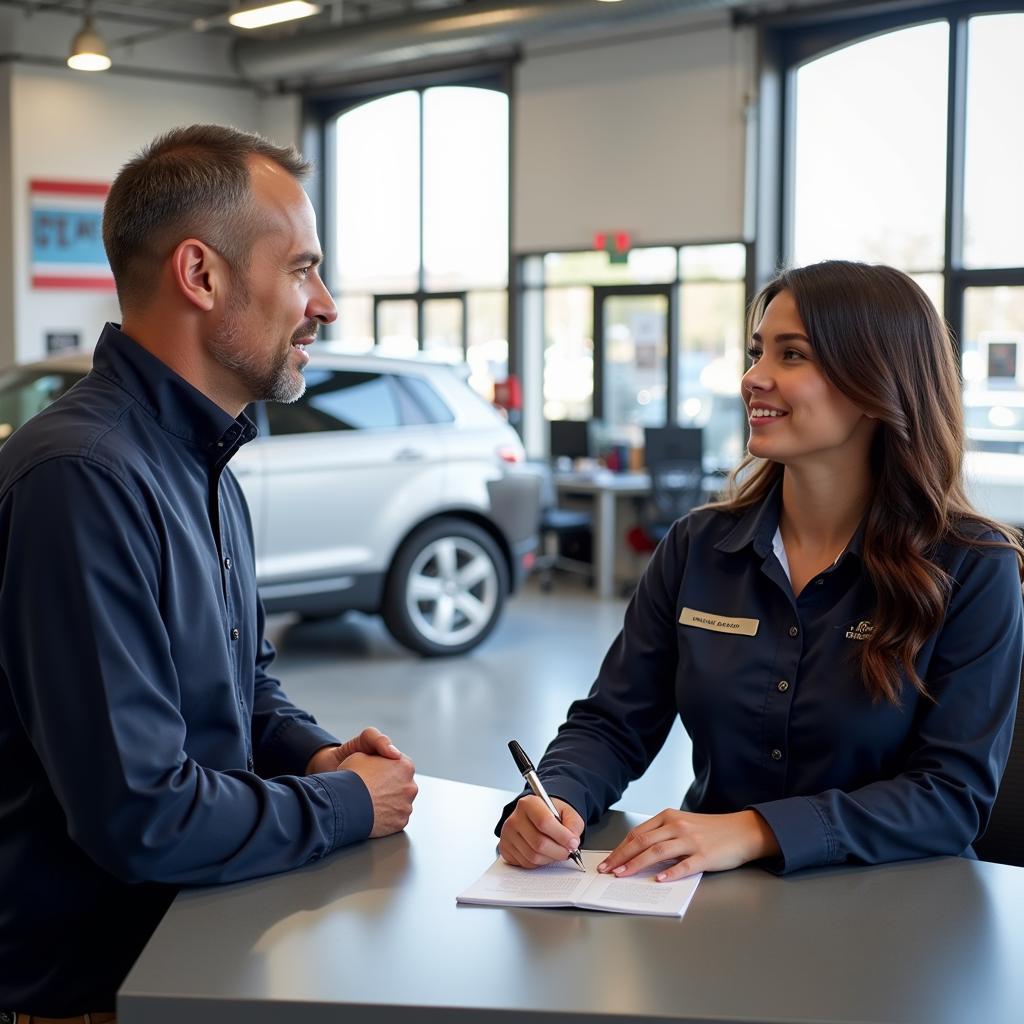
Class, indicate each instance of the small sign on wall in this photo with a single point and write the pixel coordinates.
(62, 341)
(67, 235)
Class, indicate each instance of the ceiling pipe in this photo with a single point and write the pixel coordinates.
(453, 33)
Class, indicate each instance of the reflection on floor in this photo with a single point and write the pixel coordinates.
(454, 716)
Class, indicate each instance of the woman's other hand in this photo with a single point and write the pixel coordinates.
(696, 842)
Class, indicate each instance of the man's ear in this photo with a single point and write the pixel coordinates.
(199, 273)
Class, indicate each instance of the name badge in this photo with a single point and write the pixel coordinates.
(719, 623)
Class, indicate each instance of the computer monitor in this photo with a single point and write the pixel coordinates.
(673, 444)
(570, 439)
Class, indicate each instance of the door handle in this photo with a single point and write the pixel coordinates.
(408, 455)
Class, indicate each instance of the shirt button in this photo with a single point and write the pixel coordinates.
(776, 754)
(793, 631)
(783, 685)
(235, 634)
(249, 762)
(227, 562)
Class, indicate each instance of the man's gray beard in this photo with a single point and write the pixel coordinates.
(277, 384)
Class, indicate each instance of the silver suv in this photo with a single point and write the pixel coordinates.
(389, 487)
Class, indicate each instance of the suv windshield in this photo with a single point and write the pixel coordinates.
(23, 393)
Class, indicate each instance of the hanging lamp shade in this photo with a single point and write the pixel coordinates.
(88, 51)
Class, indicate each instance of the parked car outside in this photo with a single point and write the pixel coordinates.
(390, 487)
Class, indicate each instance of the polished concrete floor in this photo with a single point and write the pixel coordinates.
(454, 716)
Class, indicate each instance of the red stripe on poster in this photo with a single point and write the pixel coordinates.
(103, 284)
(69, 188)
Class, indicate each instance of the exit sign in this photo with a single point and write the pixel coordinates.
(615, 243)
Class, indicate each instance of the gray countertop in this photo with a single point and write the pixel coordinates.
(374, 934)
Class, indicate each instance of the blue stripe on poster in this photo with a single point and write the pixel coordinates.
(68, 236)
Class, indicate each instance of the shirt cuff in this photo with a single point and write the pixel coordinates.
(802, 832)
(353, 808)
(288, 751)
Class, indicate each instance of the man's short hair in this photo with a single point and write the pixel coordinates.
(188, 183)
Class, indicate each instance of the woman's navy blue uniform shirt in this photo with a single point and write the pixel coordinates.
(780, 720)
(143, 743)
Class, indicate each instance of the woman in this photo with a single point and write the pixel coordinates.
(841, 637)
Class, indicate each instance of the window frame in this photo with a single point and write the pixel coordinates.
(533, 419)
(422, 297)
(788, 42)
(320, 110)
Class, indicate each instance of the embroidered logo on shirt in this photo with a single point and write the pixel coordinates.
(719, 623)
(861, 631)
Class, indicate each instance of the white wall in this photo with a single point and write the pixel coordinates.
(280, 119)
(62, 124)
(70, 126)
(648, 136)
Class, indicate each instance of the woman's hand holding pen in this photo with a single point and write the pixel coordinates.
(532, 837)
(696, 842)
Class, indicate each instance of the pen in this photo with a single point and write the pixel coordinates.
(525, 765)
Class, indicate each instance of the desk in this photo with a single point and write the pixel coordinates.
(373, 934)
(604, 489)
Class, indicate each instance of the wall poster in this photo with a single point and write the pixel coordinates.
(67, 235)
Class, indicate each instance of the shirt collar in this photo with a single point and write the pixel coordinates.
(756, 526)
(178, 407)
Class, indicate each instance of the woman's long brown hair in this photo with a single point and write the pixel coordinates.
(879, 340)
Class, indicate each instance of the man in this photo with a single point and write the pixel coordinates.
(143, 743)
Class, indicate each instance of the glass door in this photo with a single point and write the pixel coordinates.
(433, 323)
(444, 328)
(634, 386)
(396, 325)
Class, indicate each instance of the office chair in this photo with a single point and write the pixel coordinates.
(676, 487)
(1003, 840)
(557, 525)
(674, 457)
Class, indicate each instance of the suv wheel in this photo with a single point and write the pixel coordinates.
(446, 588)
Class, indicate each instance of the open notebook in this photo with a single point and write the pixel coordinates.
(562, 885)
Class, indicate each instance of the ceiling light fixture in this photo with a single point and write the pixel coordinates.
(260, 15)
(88, 51)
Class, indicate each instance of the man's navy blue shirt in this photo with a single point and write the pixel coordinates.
(780, 720)
(143, 744)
